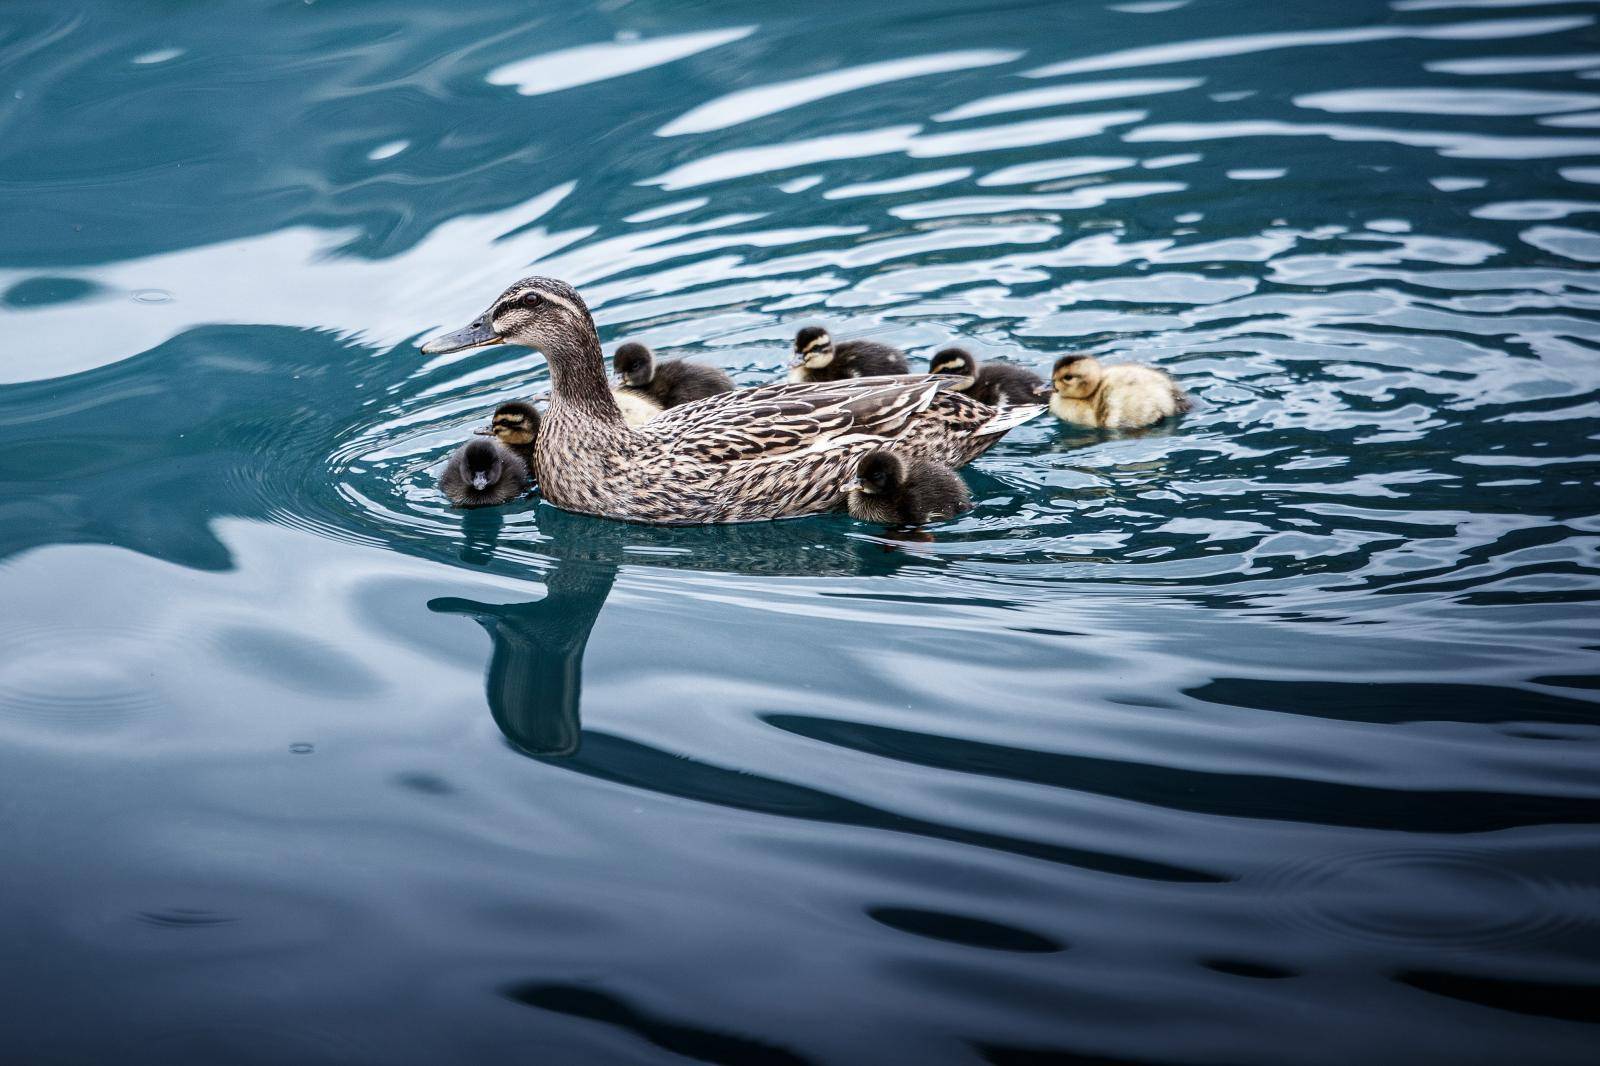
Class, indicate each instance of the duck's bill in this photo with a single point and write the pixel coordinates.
(850, 486)
(476, 335)
(797, 362)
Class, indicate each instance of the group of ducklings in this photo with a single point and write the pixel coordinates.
(498, 466)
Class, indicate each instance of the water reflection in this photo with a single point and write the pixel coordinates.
(534, 682)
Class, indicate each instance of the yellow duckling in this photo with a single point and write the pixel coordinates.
(636, 405)
(1125, 396)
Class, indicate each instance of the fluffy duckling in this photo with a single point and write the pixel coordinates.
(636, 405)
(890, 491)
(1125, 396)
(669, 382)
(483, 473)
(516, 425)
(996, 384)
(817, 358)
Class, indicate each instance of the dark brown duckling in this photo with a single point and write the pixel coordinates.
(516, 425)
(483, 473)
(669, 382)
(996, 384)
(890, 491)
(817, 358)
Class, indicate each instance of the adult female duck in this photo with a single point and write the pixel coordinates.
(777, 451)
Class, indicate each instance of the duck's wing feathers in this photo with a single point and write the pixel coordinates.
(784, 418)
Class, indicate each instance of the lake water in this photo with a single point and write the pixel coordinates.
(1270, 736)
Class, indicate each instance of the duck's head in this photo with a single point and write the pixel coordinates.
(540, 313)
(1075, 377)
(515, 423)
(813, 348)
(635, 365)
(481, 464)
(880, 473)
(957, 361)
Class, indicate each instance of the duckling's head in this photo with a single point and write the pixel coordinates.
(481, 464)
(540, 313)
(957, 361)
(1076, 377)
(635, 365)
(515, 424)
(813, 348)
(881, 473)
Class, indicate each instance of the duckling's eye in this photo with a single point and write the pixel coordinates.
(530, 300)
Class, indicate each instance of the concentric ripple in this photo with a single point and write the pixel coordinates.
(69, 682)
(1477, 900)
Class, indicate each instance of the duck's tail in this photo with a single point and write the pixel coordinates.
(1008, 418)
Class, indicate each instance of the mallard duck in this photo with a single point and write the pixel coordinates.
(516, 425)
(669, 382)
(893, 492)
(1125, 396)
(993, 383)
(776, 451)
(483, 473)
(817, 358)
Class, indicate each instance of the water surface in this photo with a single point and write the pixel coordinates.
(1269, 736)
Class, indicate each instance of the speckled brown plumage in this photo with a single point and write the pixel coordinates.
(777, 451)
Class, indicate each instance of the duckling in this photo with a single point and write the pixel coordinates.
(669, 382)
(892, 492)
(637, 406)
(516, 425)
(995, 384)
(483, 473)
(817, 358)
(1125, 396)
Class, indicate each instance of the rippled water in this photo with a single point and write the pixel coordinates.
(1265, 737)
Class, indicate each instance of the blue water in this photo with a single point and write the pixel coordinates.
(1266, 737)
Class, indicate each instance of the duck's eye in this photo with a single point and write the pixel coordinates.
(530, 300)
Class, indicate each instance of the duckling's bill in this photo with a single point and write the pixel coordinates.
(478, 334)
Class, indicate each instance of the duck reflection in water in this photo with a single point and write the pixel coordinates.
(480, 534)
(535, 676)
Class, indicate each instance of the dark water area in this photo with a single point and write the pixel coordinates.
(1268, 736)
